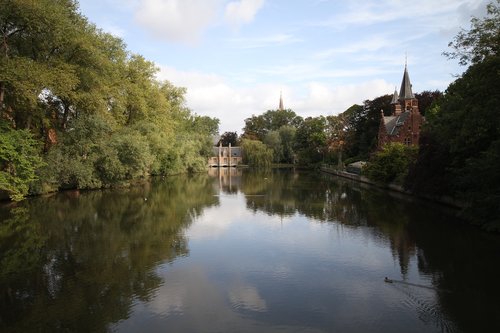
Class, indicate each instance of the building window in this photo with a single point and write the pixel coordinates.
(407, 141)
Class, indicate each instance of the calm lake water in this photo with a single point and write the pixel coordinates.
(275, 251)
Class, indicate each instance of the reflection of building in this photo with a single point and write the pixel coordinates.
(403, 125)
(225, 156)
(229, 178)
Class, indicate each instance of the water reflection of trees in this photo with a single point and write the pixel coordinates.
(270, 190)
(327, 199)
(76, 262)
(287, 192)
(457, 257)
(463, 264)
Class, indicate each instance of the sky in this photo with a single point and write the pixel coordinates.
(236, 57)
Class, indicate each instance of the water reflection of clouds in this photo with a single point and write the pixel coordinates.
(246, 297)
(182, 290)
(216, 221)
(190, 300)
(299, 234)
(244, 263)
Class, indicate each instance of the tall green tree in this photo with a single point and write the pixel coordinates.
(273, 141)
(311, 140)
(256, 154)
(272, 120)
(363, 124)
(229, 138)
(459, 152)
(35, 38)
(459, 144)
(426, 100)
(287, 138)
(337, 133)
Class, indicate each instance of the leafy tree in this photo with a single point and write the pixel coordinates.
(205, 125)
(19, 160)
(35, 37)
(481, 41)
(391, 164)
(426, 99)
(256, 154)
(287, 138)
(311, 141)
(229, 138)
(273, 141)
(272, 120)
(363, 125)
(459, 151)
(460, 140)
(337, 132)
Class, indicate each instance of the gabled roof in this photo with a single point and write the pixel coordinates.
(394, 123)
(405, 91)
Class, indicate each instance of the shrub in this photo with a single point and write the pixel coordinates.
(19, 160)
(391, 164)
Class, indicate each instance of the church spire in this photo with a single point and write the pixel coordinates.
(281, 102)
(405, 91)
(395, 97)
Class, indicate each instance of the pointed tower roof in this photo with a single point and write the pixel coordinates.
(405, 91)
(395, 97)
(281, 102)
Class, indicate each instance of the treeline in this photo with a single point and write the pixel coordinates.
(281, 136)
(77, 110)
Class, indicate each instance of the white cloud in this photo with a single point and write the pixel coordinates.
(321, 99)
(186, 20)
(212, 95)
(177, 20)
(371, 44)
(242, 11)
(431, 13)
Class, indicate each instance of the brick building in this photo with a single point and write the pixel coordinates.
(405, 121)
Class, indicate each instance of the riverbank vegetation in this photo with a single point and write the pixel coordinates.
(78, 110)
